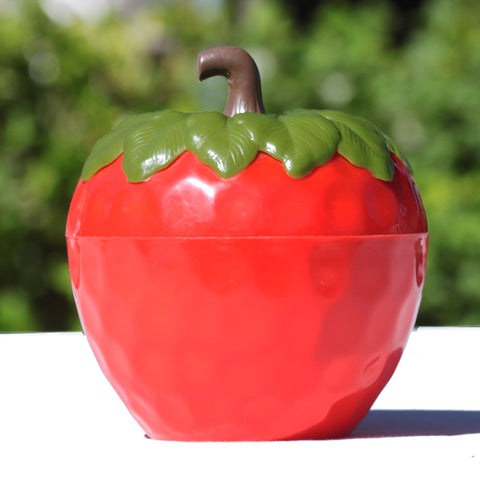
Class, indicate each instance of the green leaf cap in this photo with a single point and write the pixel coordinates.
(301, 139)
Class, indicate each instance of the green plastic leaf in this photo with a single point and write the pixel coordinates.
(394, 149)
(154, 145)
(220, 142)
(111, 146)
(314, 141)
(361, 144)
(301, 139)
(267, 132)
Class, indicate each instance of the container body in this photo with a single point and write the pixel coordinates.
(248, 338)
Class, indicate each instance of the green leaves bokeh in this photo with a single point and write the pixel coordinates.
(63, 85)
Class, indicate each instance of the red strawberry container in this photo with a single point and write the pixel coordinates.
(244, 276)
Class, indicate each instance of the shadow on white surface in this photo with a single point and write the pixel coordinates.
(409, 423)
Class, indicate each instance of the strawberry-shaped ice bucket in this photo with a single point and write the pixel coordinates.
(245, 276)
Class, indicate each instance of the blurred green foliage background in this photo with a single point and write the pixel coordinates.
(66, 81)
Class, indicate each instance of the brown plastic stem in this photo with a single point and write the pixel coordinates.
(241, 72)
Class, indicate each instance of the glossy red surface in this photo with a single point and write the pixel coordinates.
(255, 308)
(248, 339)
(189, 199)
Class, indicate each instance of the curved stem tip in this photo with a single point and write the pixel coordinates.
(241, 72)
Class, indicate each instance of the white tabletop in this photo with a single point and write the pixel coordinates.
(60, 419)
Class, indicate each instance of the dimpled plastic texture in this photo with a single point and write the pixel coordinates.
(189, 199)
(259, 307)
